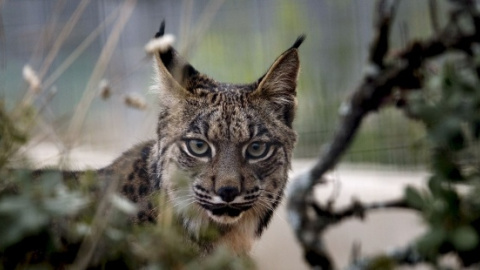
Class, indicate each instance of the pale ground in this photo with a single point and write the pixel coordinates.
(278, 248)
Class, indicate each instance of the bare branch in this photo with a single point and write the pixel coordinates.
(356, 209)
(308, 219)
(404, 256)
(308, 228)
(380, 44)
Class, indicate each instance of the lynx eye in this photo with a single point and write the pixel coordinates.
(198, 148)
(257, 150)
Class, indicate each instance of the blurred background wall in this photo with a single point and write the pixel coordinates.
(233, 41)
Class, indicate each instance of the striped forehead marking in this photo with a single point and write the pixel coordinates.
(227, 124)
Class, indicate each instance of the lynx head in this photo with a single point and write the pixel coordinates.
(224, 150)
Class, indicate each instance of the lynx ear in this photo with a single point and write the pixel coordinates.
(174, 72)
(278, 86)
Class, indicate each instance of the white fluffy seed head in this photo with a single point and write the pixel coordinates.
(135, 101)
(160, 44)
(104, 88)
(31, 77)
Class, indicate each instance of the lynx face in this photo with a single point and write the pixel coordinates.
(235, 156)
(224, 150)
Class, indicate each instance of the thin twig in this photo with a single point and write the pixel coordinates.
(48, 83)
(97, 73)
(203, 24)
(67, 29)
(99, 224)
(359, 104)
(306, 227)
(80, 49)
(186, 24)
(48, 31)
(356, 209)
(118, 80)
(3, 57)
(433, 9)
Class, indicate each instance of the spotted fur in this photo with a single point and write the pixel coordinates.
(222, 151)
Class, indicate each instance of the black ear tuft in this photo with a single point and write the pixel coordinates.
(161, 31)
(167, 57)
(179, 69)
(298, 42)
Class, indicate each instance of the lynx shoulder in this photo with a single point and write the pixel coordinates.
(222, 151)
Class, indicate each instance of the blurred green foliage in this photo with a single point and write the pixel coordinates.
(50, 221)
(12, 133)
(449, 107)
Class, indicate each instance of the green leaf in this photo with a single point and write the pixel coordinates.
(64, 203)
(435, 185)
(444, 165)
(414, 198)
(464, 238)
(20, 217)
(448, 132)
(430, 242)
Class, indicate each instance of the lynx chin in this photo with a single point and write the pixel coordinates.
(222, 151)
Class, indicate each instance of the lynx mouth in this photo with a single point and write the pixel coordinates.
(229, 211)
(225, 213)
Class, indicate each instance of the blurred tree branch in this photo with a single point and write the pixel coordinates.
(385, 74)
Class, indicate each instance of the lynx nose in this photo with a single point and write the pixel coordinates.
(228, 194)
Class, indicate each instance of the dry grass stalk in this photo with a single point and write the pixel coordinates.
(80, 49)
(67, 29)
(135, 101)
(91, 89)
(105, 89)
(31, 77)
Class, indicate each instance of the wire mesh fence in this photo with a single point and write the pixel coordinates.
(232, 41)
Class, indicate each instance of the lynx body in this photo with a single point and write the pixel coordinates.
(222, 151)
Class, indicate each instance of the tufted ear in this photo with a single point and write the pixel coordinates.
(277, 88)
(171, 65)
(176, 77)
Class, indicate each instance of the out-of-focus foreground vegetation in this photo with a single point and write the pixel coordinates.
(433, 82)
(52, 222)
